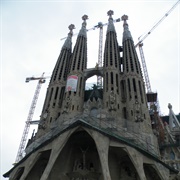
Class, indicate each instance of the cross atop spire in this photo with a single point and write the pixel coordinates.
(124, 17)
(110, 24)
(126, 34)
(82, 32)
(71, 27)
(110, 13)
(67, 43)
(85, 17)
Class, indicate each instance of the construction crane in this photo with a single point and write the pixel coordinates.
(140, 44)
(41, 80)
(99, 78)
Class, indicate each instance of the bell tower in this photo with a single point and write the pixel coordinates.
(132, 84)
(111, 88)
(75, 85)
(55, 93)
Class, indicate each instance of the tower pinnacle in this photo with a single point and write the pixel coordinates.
(71, 27)
(124, 18)
(82, 32)
(126, 34)
(68, 43)
(111, 24)
(85, 17)
(110, 13)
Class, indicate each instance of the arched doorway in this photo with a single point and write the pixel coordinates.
(79, 159)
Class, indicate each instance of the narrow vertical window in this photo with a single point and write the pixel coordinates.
(134, 85)
(57, 89)
(106, 82)
(51, 94)
(117, 86)
(61, 96)
(140, 89)
(121, 64)
(80, 86)
(123, 90)
(124, 113)
(111, 77)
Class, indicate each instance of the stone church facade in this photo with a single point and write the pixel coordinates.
(99, 134)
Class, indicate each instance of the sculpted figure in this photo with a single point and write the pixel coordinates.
(112, 101)
(67, 104)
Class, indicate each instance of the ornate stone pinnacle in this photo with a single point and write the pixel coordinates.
(124, 17)
(71, 27)
(110, 13)
(169, 106)
(85, 17)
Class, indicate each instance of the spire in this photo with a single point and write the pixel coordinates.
(111, 68)
(111, 24)
(83, 30)
(79, 56)
(68, 42)
(55, 92)
(173, 121)
(126, 34)
(73, 102)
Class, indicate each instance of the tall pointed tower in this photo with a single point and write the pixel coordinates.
(132, 85)
(55, 93)
(98, 134)
(75, 83)
(111, 69)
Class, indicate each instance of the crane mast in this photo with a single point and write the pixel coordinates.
(20, 153)
(140, 44)
(146, 76)
(99, 78)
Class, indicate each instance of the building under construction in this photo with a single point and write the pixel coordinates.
(110, 132)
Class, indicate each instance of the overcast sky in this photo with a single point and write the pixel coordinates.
(30, 45)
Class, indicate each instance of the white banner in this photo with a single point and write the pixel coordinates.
(72, 83)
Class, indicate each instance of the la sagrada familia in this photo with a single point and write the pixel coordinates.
(104, 133)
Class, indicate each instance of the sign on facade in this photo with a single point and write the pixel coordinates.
(72, 83)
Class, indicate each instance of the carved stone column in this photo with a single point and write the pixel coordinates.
(102, 144)
(56, 149)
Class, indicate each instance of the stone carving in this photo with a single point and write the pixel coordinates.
(86, 109)
(124, 18)
(112, 101)
(83, 170)
(138, 117)
(71, 27)
(85, 17)
(44, 116)
(67, 105)
(110, 13)
(84, 158)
